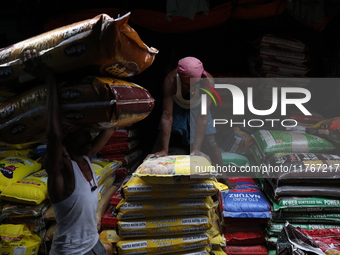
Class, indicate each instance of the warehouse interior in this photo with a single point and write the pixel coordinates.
(224, 35)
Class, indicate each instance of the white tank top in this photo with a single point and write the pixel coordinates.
(185, 103)
(76, 231)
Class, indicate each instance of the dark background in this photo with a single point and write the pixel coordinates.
(224, 49)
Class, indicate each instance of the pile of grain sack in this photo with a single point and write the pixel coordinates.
(24, 195)
(163, 208)
(278, 56)
(295, 167)
(92, 60)
(298, 173)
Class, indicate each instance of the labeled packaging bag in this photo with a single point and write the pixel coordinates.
(102, 44)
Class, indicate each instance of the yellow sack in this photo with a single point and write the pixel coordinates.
(136, 188)
(162, 213)
(218, 251)
(18, 239)
(32, 189)
(175, 169)
(17, 153)
(163, 226)
(163, 245)
(14, 169)
(104, 168)
(202, 251)
(19, 146)
(161, 204)
(109, 235)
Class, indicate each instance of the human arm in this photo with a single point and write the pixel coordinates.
(201, 123)
(100, 140)
(57, 166)
(162, 143)
(33, 65)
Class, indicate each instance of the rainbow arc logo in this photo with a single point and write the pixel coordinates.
(212, 93)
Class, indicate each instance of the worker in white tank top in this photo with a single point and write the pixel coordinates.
(181, 113)
(72, 187)
(180, 93)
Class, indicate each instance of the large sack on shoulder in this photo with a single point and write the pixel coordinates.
(94, 102)
(103, 44)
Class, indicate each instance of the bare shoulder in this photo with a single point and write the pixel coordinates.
(169, 85)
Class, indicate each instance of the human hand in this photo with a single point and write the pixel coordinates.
(199, 153)
(156, 155)
(32, 64)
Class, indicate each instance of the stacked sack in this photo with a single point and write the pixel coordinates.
(308, 241)
(168, 208)
(109, 219)
(27, 150)
(87, 57)
(245, 209)
(298, 173)
(24, 200)
(280, 57)
(90, 58)
(246, 212)
(124, 146)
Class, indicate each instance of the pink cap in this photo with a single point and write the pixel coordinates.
(190, 67)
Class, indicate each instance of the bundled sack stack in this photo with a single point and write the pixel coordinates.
(278, 56)
(93, 102)
(296, 240)
(24, 194)
(16, 239)
(246, 212)
(103, 50)
(24, 200)
(124, 146)
(298, 174)
(27, 150)
(87, 57)
(109, 219)
(169, 208)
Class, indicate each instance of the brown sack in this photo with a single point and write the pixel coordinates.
(95, 102)
(108, 46)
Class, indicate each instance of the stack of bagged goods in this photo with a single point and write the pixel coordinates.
(303, 122)
(103, 50)
(124, 146)
(298, 172)
(109, 219)
(94, 102)
(24, 200)
(296, 240)
(269, 142)
(168, 206)
(18, 239)
(328, 129)
(27, 150)
(278, 56)
(24, 195)
(105, 174)
(90, 58)
(246, 213)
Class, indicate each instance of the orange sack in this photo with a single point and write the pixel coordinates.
(94, 102)
(107, 46)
